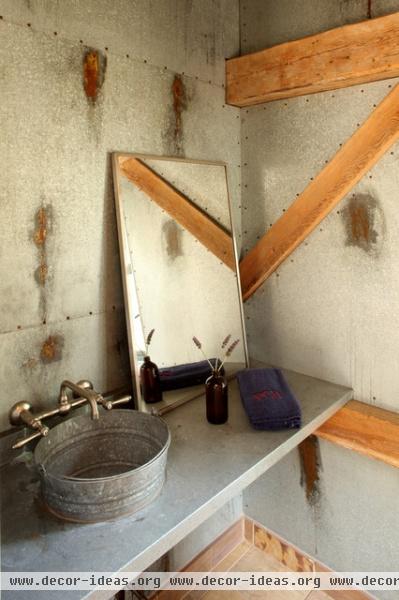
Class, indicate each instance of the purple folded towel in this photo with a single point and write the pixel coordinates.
(267, 399)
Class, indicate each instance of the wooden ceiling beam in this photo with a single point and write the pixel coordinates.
(212, 235)
(349, 55)
(366, 146)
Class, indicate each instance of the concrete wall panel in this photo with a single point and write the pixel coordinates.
(264, 24)
(59, 259)
(350, 527)
(331, 309)
(181, 35)
(35, 360)
(278, 501)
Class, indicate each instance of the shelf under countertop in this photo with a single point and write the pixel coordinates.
(207, 466)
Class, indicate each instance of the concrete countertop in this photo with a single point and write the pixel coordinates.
(207, 466)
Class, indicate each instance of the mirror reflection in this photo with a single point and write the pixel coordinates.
(179, 268)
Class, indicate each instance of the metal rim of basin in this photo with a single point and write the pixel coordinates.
(78, 480)
(125, 453)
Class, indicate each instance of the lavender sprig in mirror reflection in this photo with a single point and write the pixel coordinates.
(148, 340)
(228, 353)
(219, 363)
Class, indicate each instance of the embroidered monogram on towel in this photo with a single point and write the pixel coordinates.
(268, 400)
(275, 394)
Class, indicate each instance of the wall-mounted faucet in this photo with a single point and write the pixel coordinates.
(22, 414)
(83, 389)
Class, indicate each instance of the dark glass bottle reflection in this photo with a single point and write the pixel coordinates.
(150, 382)
(216, 399)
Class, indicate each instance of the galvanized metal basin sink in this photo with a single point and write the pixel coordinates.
(96, 470)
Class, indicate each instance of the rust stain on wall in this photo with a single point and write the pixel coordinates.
(179, 103)
(30, 363)
(51, 350)
(94, 66)
(174, 132)
(41, 229)
(172, 235)
(180, 96)
(360, 225)
(364, 223)
(41, 272)
(310, 464)
(40, 237)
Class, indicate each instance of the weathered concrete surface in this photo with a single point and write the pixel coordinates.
(352, 528)
(59, 262)
(336, 297)
(181, 35)
(35, 360)
(265, 24)
(207, 467)
(331, 310)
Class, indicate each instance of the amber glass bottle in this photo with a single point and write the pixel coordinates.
(150, 382)
(216, 399)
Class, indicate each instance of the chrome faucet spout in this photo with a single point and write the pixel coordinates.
(92, 397)
(21, 413)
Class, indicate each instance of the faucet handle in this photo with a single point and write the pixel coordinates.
(21, 414)
(18, 411)
(109, 404)
(85, 384)
(22, 441)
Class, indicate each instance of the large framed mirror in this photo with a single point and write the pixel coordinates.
(179, 267)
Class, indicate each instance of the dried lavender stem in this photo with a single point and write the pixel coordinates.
(228, 352)
(226, 340)
(221, 364)
(199, 346)
(206, 358)
(148, 340)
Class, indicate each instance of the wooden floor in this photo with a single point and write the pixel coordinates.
(248, 547)
(247, 557)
